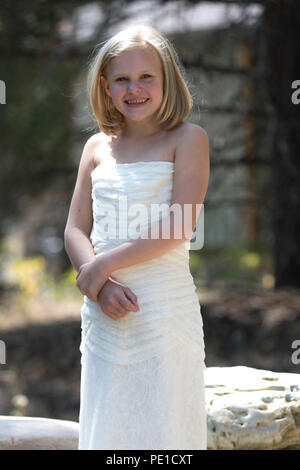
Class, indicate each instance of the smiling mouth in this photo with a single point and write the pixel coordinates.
(136, 102)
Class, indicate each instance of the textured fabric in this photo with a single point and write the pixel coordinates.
(142, 381)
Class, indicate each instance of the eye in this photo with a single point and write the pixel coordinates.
(144, 75)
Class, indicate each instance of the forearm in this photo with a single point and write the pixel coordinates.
(78, 247)
(145, 247)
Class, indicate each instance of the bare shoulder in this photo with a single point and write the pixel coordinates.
(188, 131)
(192, 143)
(95, 140)
(92, 146)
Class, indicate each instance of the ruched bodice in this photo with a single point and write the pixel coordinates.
(142, 381)
(123, 190)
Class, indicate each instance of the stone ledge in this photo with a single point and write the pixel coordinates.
(25, 433)
(246, 409)
(251, 409)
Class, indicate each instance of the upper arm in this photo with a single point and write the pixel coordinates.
(80, 212)
(191, 174)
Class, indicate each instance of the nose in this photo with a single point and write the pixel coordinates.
(133, 85)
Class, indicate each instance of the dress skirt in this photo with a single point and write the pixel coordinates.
(157, 404)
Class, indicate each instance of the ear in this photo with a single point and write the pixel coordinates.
(105, 84)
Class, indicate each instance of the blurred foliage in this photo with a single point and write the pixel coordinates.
(37, 130)
(233, 266)
(33, 281)
(30, 274)
(35, 26)
(20, 404)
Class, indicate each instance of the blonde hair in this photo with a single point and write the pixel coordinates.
(177, 100)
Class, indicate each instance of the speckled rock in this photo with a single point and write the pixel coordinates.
(252, 408)
(25, 433)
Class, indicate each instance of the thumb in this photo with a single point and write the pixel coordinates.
(130, 295)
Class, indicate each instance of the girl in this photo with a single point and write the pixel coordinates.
(142, 345)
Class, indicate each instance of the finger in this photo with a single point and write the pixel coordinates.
(127, 305)
(111, 315)
(116, 315)
(130, 301)
(130, 295)
(119, 310)
(108, 311)
(114, 306)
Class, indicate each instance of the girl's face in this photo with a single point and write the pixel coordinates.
(135, 75)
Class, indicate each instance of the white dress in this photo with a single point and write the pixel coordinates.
(142, 376)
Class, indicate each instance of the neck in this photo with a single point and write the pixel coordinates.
(139, 131)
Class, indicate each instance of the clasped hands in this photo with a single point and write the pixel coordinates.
(93, 280)
(91, 277)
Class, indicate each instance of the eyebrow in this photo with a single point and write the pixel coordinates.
(121, 74)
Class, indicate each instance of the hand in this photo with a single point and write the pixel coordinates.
(117, 300)
(91, 277)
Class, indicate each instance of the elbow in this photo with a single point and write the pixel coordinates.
(180, 238)
(185, 238)
(68, 230)
(188, 234)
(65, 243)
(66, 237)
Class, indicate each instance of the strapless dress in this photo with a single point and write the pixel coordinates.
(142, 376)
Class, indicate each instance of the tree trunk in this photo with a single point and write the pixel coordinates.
(282, 26)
